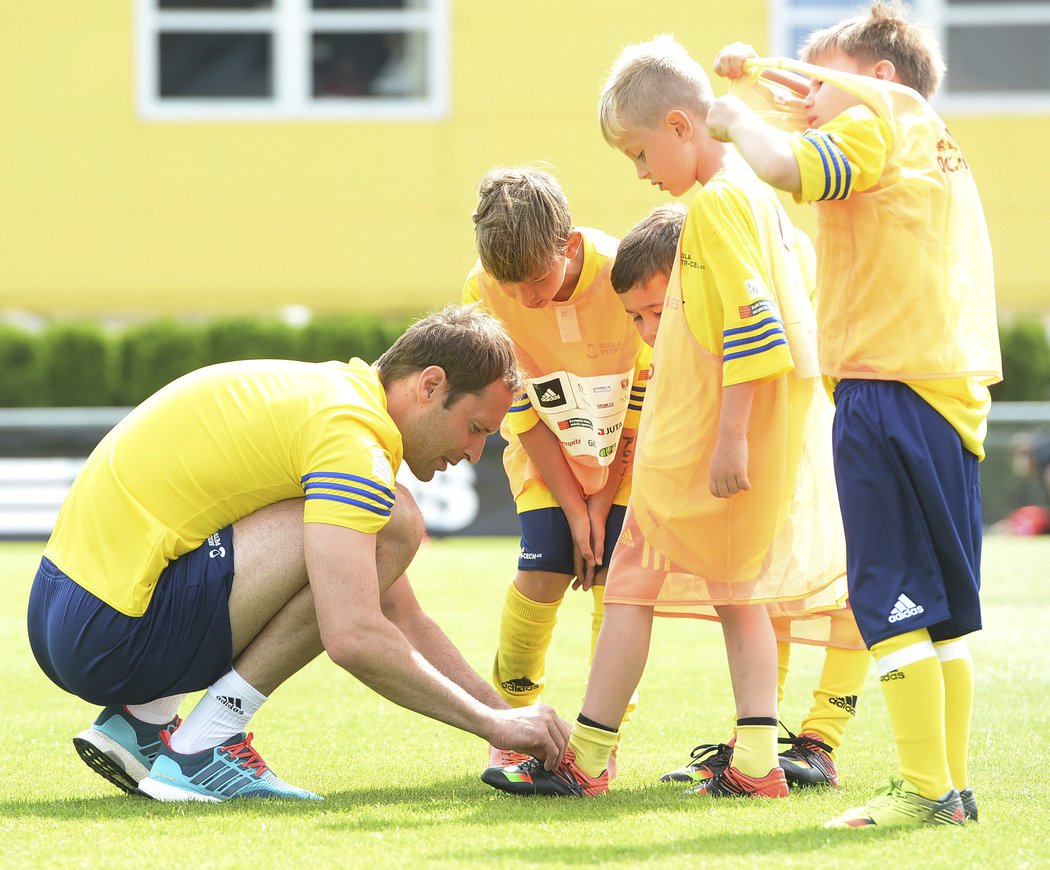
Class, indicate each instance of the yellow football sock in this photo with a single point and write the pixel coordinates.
(592, 747)
(957, 672)
(526, 628)
(597, 615)
(913, 687)
(755, 752)
(835, 698)
(783, 662)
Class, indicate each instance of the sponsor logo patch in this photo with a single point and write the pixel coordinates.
(754, 309)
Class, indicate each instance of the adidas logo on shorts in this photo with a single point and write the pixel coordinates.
(905, 608)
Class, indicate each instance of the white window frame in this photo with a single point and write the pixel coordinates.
(938, 15)
(290, 24)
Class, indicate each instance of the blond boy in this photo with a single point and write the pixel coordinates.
(908, 333)
(725, 431)
(644, 262)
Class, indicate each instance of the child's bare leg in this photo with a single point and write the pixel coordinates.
(751, 649)
(619, 660)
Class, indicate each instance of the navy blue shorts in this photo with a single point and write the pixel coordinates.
(546, 542)
(182, 643)
(910, 494)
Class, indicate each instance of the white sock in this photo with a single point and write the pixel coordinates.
(159, 712)
(224, 711)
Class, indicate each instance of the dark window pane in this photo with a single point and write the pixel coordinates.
(975, 58)
(215, 65)
(218, 5)
(389, 65)
(368, 4)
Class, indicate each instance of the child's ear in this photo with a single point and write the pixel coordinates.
(886, 71)
(680, 123)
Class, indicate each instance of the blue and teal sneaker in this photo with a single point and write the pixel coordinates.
(121, 748)
(233, 770)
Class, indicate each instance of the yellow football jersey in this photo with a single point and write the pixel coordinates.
(905, 282)
(736, 289)
(585, 367)
(215, 446)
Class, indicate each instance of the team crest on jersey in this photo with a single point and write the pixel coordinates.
(381, 469)
(755, 288)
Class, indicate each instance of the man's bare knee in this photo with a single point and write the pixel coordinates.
(269, 566)
(397, 542)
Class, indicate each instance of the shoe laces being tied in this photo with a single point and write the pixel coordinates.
(802, 745)
(709, 752)
(246, 756)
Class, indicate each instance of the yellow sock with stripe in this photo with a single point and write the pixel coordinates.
(597, 615)
(913, 687)
(755, 752)
(835, 698)
(592, 744)
(957, 672)
(783, 662)
(525, 632)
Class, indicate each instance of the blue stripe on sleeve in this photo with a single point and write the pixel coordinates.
(338, 487)
(752, 339)
(338, 475)
(829, 151)
(351, 501)
(754, 350)
(751, 327)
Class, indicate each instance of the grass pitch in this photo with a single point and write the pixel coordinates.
(403, 790)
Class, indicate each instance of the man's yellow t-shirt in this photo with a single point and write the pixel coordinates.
(215, 446)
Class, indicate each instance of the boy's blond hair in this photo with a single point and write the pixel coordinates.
(522, 223)
(647, 81)
(649, 248)
(884, 33)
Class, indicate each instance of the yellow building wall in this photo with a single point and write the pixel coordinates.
(103, 213)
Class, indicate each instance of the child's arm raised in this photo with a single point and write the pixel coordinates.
(766, 148)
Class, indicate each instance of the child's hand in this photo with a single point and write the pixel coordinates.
(729, 62)
(729, 468)
(582, 551)
(724, 112)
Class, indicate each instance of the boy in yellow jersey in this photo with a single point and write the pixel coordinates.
(245, 519)
(729, 444)
(572, 428)
(644, 262)
(907, 327)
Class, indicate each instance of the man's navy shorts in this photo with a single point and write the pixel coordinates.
(182, 643)
(546, 541)
(910, 494)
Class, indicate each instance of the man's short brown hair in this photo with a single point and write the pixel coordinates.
(468, 343)
(649, 248)
(884, 33)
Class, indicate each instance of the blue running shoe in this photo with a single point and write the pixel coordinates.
(233, 770)
(121, 748)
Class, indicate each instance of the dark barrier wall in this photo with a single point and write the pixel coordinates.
(41, 450)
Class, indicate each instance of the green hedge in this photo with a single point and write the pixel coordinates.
(80, 364)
